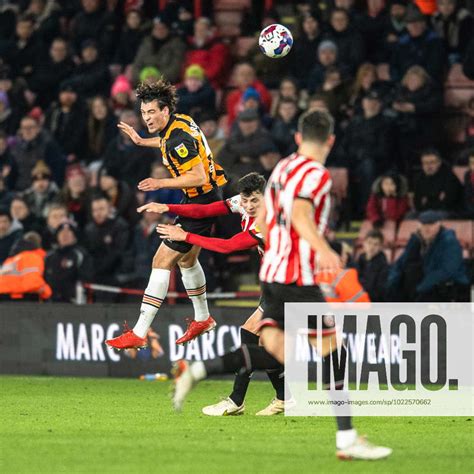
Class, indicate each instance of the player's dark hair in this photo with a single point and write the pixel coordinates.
(316, 126)
(251, 183)
(375, 234)
(162, 91)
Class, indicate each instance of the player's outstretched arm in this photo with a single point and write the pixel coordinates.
(154, 142)
(302, 219)
(194, 178)
(196, 211)
(240, 241)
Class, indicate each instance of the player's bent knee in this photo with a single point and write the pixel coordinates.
(165, 258)
(252, 324)
(189, 259)
(273, 341)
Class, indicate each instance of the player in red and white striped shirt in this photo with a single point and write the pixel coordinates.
(297, 206)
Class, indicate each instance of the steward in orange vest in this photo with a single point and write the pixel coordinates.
(23, 271)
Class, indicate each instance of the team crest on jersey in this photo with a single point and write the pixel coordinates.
(182, 150)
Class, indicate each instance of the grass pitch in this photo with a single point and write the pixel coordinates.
(70, 425)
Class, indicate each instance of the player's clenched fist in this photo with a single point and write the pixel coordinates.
(171, 232)
(154, 207)
(149, 184)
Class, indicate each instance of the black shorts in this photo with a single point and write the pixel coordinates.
(195, 226)
(274, 297)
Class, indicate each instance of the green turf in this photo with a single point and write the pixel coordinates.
(112, 425)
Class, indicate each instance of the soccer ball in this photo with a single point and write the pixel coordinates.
(275, 41)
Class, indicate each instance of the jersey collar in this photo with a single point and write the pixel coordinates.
(168, 125)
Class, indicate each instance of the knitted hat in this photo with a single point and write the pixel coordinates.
(149, 71)
(251, 93)
(68, 224)
(195, 71)
(327, 44)
(121, 85)
(41, 169)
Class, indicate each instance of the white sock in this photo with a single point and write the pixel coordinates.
(194, 281)
(345, 438)
(154, 295)
(198, 371)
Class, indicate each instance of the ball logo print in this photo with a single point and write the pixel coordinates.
(275, 41)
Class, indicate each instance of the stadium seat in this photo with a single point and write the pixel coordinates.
(460, 171)
(456, 78)
(405, 230)
(388, 230)
(464, 232)
(458, 97)
(231, 4)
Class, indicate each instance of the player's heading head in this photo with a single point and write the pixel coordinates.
(158, 102)
(251, 188)
(315, 135)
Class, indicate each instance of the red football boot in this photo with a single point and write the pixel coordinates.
(196, 328)
(127, 340)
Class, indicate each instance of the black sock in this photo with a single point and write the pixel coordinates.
(246, 358)
(242, 380)
(277, 379)
(343, 422)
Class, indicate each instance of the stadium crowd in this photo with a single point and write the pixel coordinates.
(68, 177)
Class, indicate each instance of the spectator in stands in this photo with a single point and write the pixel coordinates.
(327, 57)
(8, 170)
(98, 23)
(468, 61)
(366, 79)
(304, 53)
(239, 155)
(415, 104)
(121, 94)
(66, 121)
(7, 119)
(10, 232)
(121, 197)
(47, 19)
(215, 136)
(389, 199)
(132, 163)
(455, 25)
(25, 53)
(335, 92)
(106, 238)
(131, 37)
(6, 196)
(74, 195)
(244, 77)
(42, 192)
(163, 195)
(16, 92)
(196, 94)
(251, 100)
(269, 157)
(431, 267)
(68, 264)
(367, 147)
(349, 42)
(33, 145)
(206, 49)
(420, 46)
(162, 50)
(394, 29)
(51, 72)
(373, 267)
(288, 89)
(55, 214)
(21, 213)
(101, 129)
(91, 76)
(285, 125)
(437, 187)
(469, 188)
(23, 271)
